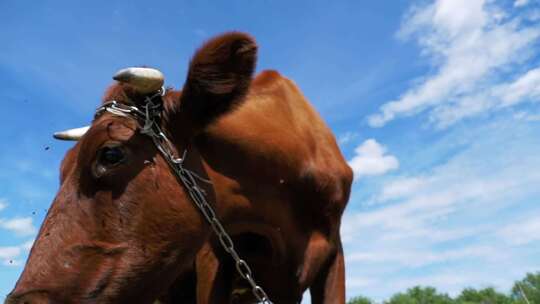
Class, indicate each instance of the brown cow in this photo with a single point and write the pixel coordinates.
(281, 185)
(123, 230)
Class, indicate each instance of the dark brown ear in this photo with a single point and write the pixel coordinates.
(219, 77)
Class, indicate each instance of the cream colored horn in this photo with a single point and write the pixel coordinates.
(71, 134)
(145, 80)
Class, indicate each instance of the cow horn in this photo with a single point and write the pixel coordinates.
(145, 80)
(71, 134)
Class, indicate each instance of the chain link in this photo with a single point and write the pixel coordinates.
(147, 119)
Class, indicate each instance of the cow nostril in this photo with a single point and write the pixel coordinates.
(31, 297)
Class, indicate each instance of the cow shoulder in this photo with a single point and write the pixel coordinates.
(324, 176)
(321, 171)
(282, 133)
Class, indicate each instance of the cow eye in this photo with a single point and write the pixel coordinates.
(111, 156)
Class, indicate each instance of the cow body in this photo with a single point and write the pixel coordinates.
(123, 229)
(281, 186)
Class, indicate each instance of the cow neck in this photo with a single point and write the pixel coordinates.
(149, 118)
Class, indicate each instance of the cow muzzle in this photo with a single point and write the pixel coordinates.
(29, 297)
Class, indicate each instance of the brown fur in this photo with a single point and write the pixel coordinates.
(279, 175)
(280, 185)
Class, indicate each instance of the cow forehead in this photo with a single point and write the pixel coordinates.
(111, 127)
(121, 130)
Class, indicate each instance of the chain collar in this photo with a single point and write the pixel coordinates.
(149, 118)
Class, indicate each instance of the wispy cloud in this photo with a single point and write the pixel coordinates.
(469, 202)
(347, 137)
(11, 255)
(519, 3)
(20, 225)
(472, 44)
(479, 174)
(401, 187)
(360, 282)
(525, 116)
(371, 159)
(451, 214)
(523, 232)
(422, 257)
(28, 244)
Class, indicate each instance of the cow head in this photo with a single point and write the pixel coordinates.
(121, 228)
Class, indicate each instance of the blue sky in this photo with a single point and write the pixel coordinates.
(435, 105)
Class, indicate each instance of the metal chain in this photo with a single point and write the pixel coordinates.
(147, 119)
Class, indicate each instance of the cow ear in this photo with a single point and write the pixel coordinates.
(219, 76)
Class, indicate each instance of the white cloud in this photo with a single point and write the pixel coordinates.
(449, 189)
(525, 87)
(401, 187)
(11, 255)
(519, 3)
(9, 252)
(521, 233)
(533, 15)
(371, 159)
(525, 116)
(347, 137)
(449, 215)
(423, 257)
(471, 43)
(360, 282)
(20, 225)
(23, 226)
(28, 245)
